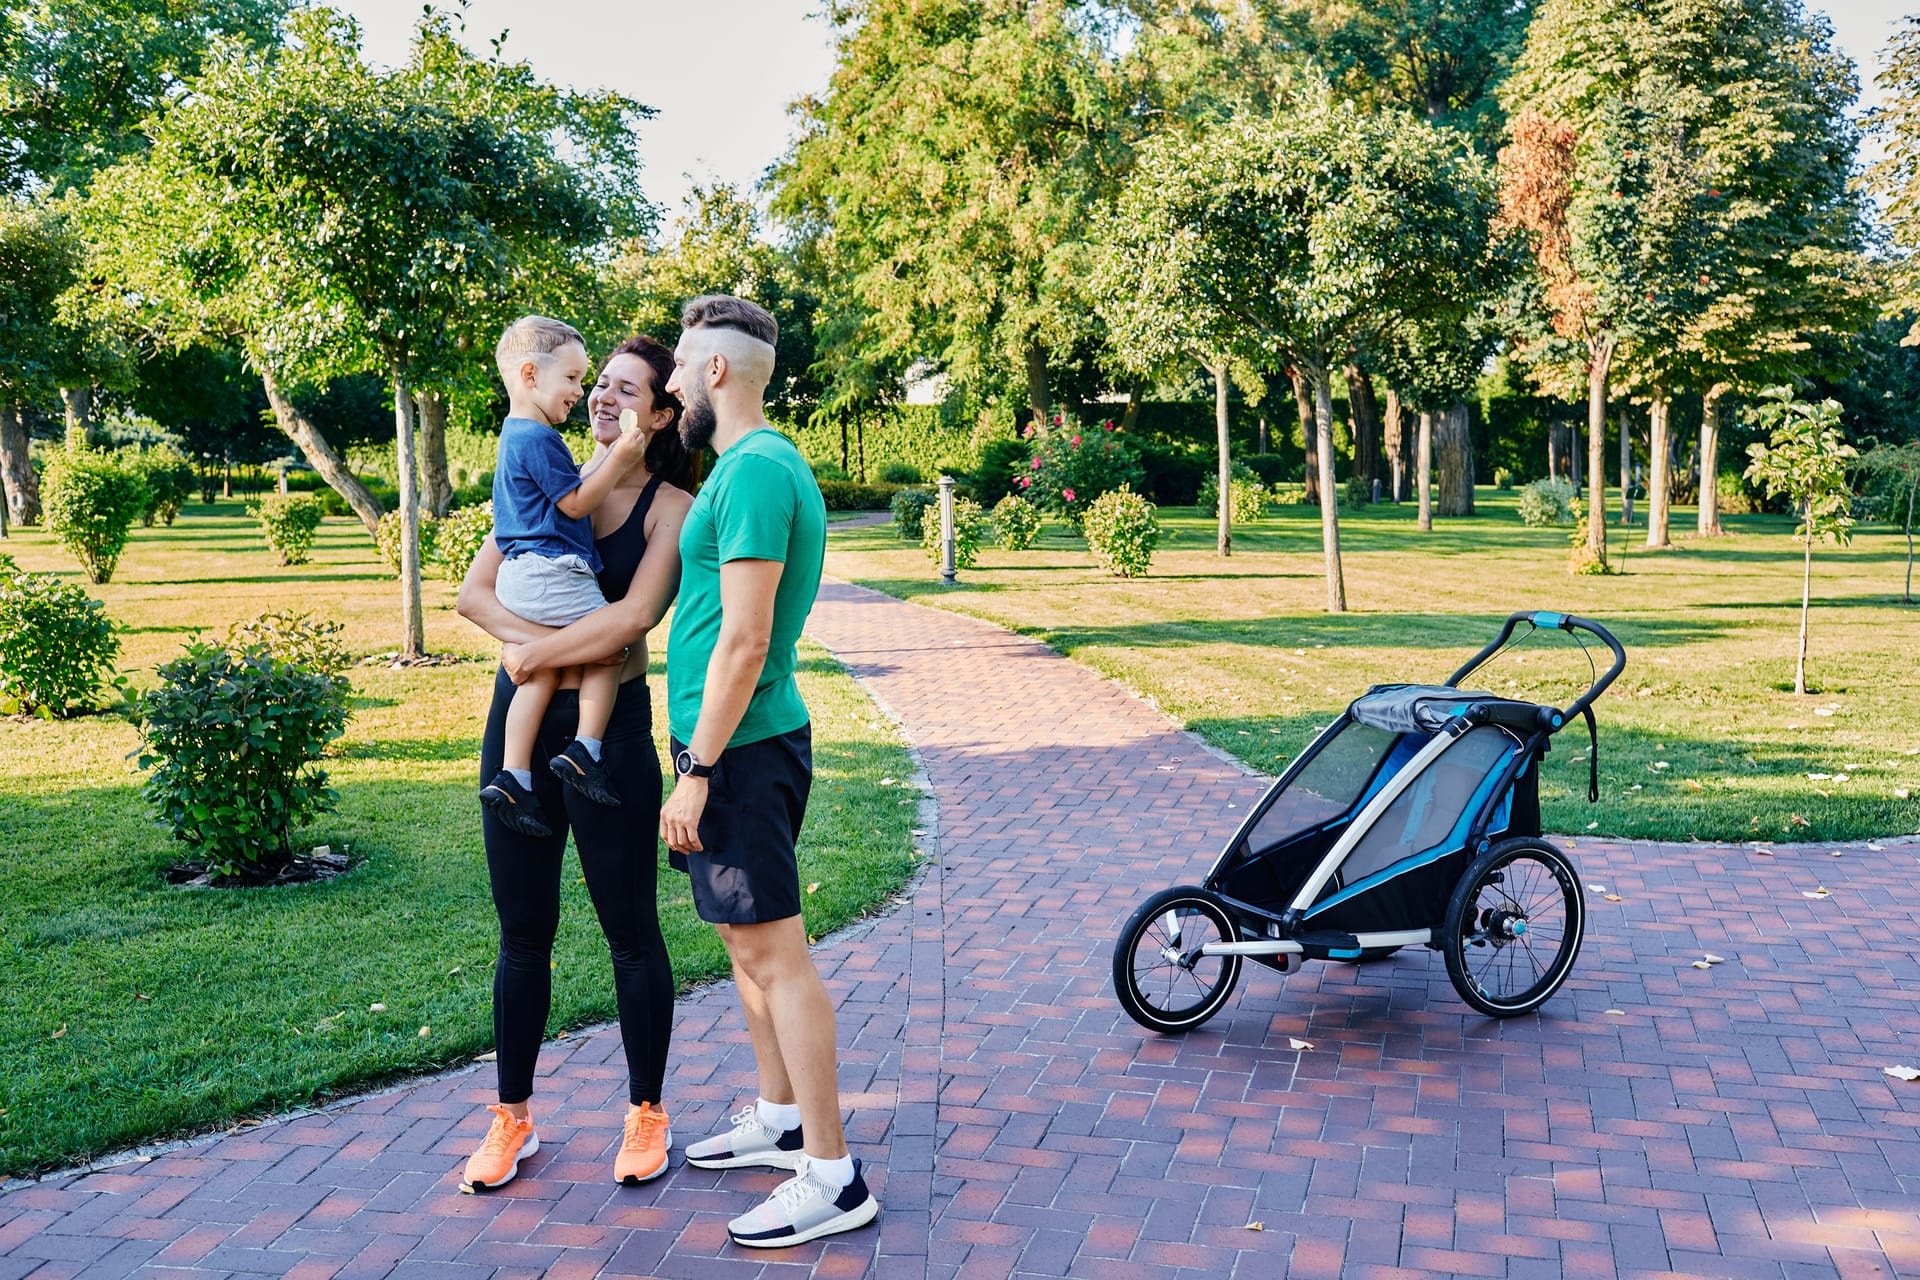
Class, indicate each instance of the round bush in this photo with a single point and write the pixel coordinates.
(1122, 532)
(90, 499)
(1016, 522)
(459, 537)
(909, 508)
(900, 473)
(969, 528)
(1249, 495)
(298, 638)
(1502, 479)
(56, 644)
(170, 482)
(233, 737)
(1545, 503)
(1071, 467)
(388, 538)
(288, 521)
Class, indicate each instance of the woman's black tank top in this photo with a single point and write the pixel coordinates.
(620, 551)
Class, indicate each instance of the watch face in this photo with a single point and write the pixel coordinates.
(683, 763)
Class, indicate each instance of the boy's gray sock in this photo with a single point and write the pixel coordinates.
(592, 745)
(523, 776)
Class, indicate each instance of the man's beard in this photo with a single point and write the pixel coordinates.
(697, 423)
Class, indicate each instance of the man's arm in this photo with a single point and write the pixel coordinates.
(747, 589)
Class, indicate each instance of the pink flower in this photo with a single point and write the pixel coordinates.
(1026, 482)
(1036, 464)
(1028, 433)
(1067, 494)
(1076, 442)
(1108, 424)
(1058, 419)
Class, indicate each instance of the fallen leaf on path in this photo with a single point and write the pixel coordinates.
(1256, 1226)
(886, 782)
(1701, 964)
(1298, 1044)
(1618, 1012)
(1821, 892)
(814, 887)
(1596, 888)
(1592, 825)
(1614, 897)
(1711, 958)
(490, 1055)
(1902, 1073)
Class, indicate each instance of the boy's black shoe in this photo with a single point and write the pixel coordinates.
(514, 805)
(578, 769)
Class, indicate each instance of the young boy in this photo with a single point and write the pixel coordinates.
(542, 504)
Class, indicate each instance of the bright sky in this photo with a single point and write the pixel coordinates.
(721, 73)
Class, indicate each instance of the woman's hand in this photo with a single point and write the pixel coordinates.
(514, 658)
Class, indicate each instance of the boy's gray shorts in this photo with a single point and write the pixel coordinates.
(550, 592)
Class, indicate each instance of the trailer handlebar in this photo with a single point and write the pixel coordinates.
(1559, 621)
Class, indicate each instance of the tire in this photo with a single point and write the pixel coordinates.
(1171, 993)
(1513, 927)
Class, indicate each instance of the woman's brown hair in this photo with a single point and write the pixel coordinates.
(666, 456)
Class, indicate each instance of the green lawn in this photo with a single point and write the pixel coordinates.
(130, 1010)
(1700, 738)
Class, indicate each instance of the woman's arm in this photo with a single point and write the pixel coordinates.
(478, 605)
(604, 633)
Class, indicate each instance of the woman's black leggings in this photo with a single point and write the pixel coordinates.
(620, 859)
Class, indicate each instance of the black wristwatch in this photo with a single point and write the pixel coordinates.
(688, 765)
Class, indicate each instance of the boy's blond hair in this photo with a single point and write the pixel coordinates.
(533, 338)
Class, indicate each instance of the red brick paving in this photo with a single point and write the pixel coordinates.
(1733, 1121)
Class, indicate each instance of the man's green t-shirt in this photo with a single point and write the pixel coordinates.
(760, 502)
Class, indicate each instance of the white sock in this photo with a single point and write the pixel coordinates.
(835, 1173)
(778, 1115)
(592, 745)
(523, 776)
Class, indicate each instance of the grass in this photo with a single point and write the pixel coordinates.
(131, 1010)
(1701, 737)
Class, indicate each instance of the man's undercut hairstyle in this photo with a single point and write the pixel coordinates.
(724, 311)
(533, 338)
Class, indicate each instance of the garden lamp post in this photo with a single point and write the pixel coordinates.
(946, 530)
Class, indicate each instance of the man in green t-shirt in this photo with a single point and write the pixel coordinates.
(751, 548)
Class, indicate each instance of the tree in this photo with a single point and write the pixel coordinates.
(955, 160)
(339, 219)
(1892, 475)
(1895, 177)
(205, 395)
(77, 77)
(1303, 237)
(1805, 459)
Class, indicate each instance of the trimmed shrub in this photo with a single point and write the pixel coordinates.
(900, 473)
(294, 637)
(1016, 522)
(1286, 494)
(1249, 495)
(1002, 462)
(1173, 473)
(288, 521)
(1072, 466)
(459, 539)
(385, 494)
(851, 495)
(1581, 560)
(1359, 491)
(1502, 479)
(89, 500)
(233, 737)
(969, 528)
(56, 644)
(829, 471)
(388, 540)
(170, 482)
(1122, 532)
(1546, 502)
(909, 506)
(471, 495)
(1270, 467)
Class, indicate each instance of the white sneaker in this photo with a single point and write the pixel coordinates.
(751, 1141)
(804, 1208)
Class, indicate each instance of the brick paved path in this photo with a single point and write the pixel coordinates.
(1653, 1119)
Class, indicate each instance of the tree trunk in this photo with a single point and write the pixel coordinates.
(1329, 500)
(1261, 447)
(436, 487)
(1626, 468)
(1576, 459)
(1366, 427)
(1806, 601)
(1132, 414)
(1709, 526)
(1309, 432)
(78, 403)
(413, 642)
(844, 468)
(1037, 383)
(1423, 471)
(1452, 450)
(860, 446)
(1224, 541)
(16, 468)
(1659, 468)
(314, 447)
(1913, 488)
(1394, 443)
(1553, 451)
(1600, 361)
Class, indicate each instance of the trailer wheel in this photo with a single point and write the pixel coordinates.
(1163, 981)
(1514, 927)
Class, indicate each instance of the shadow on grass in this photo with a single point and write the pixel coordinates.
(1410, 631)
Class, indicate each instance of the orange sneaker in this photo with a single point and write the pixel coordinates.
(643, 1151)
(507, 1143)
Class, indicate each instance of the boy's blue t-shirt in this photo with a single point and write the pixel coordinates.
(533, 472)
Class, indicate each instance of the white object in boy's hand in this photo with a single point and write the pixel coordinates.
(629, 420)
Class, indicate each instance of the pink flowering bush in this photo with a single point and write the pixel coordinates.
(1072, 466)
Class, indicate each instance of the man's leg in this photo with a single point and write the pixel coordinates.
(790, 1017)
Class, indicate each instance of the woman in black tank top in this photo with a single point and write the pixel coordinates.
(637, 532)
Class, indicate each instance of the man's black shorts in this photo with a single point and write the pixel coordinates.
(747, 872)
